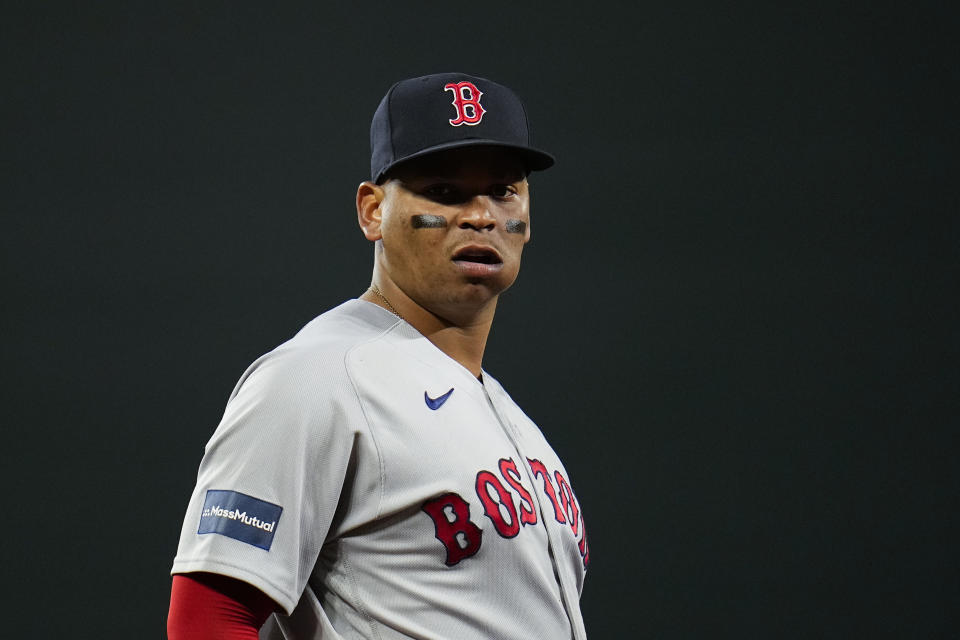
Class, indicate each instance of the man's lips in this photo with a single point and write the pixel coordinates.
(477, 253)
(477, 261)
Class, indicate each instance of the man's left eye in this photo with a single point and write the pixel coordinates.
(502, 191)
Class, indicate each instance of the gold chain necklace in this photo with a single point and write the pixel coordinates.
(377, 291)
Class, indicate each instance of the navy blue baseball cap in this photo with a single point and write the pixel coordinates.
(419, 116)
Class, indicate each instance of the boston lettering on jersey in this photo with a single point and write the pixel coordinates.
(462, 538)
(239, 516)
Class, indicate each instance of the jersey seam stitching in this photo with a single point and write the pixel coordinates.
(356, 596)
(363, 410)
(383, 481)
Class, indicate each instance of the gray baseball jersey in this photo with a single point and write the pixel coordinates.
(374, 488)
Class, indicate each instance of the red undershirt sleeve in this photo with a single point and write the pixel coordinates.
(208, 606)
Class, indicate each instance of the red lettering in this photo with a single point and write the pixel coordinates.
(584, 549)
(457, 533)
(466, 100)
(508, 469)
(539, 470)
(491, 506)
(569, 503)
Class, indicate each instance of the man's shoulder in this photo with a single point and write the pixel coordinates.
(504, 399)
(316, 354)
(494, 386)
(341, 328)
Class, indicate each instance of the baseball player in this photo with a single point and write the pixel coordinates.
(369, 479)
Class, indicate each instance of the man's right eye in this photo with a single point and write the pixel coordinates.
(441, 191)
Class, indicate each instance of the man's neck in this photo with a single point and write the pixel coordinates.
(463, 344)
(463, 338)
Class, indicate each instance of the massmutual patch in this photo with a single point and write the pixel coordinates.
(239, 516)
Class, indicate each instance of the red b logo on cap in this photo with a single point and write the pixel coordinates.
(466, 100)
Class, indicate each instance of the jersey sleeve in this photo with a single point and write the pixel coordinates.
(207, 605)
(271, 476)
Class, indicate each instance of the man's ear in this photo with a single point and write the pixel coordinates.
(369, 198)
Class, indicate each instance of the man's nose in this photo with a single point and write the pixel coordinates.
(476, 214)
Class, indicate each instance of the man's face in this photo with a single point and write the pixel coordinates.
(453, 226)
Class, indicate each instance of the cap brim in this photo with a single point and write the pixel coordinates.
(533, 159)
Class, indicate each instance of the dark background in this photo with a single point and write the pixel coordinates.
(736, 322)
